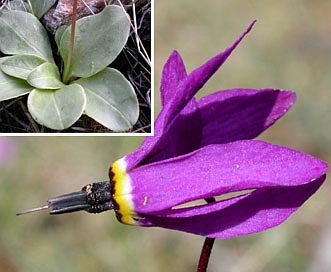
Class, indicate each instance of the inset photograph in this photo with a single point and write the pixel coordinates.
(74, 66)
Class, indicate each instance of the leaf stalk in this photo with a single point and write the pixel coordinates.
(66, 73)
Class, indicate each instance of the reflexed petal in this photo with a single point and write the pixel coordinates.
(222, 117)
(184, 136)
(240, 114)
(255, 212)
(181, 97)
(173, 72)
(216, 170)
(188, 87)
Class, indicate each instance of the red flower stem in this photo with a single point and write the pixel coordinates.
(205, 254)
(207, 247)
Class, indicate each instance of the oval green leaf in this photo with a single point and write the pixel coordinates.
(11, 87)
(98, 41)
(20, 66)
(57, 109)
(111, 100)
(58, 35)
(40, 7)
(45, 76)
(22, 33)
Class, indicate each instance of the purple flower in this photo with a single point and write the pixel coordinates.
(201, 150)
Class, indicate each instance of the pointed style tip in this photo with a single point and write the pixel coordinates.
(33, 210)
(93, 198)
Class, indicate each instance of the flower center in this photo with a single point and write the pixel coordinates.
(121, 191)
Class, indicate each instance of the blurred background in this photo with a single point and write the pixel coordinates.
(289, 48)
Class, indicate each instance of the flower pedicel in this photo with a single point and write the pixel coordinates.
(201, 150)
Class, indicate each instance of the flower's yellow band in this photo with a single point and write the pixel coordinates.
(122, 193)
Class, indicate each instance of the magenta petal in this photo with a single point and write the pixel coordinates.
(188, 87)
(240, 114)
(255, 212)
(219, 169)
(221, 117)
(173, 72)
(182, 137)
(176, 100)
(173, 142)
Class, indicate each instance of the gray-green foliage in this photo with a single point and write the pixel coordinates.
(55, 100)
(98, 40)
(22, 33)
(40, 7)
(108, 95)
